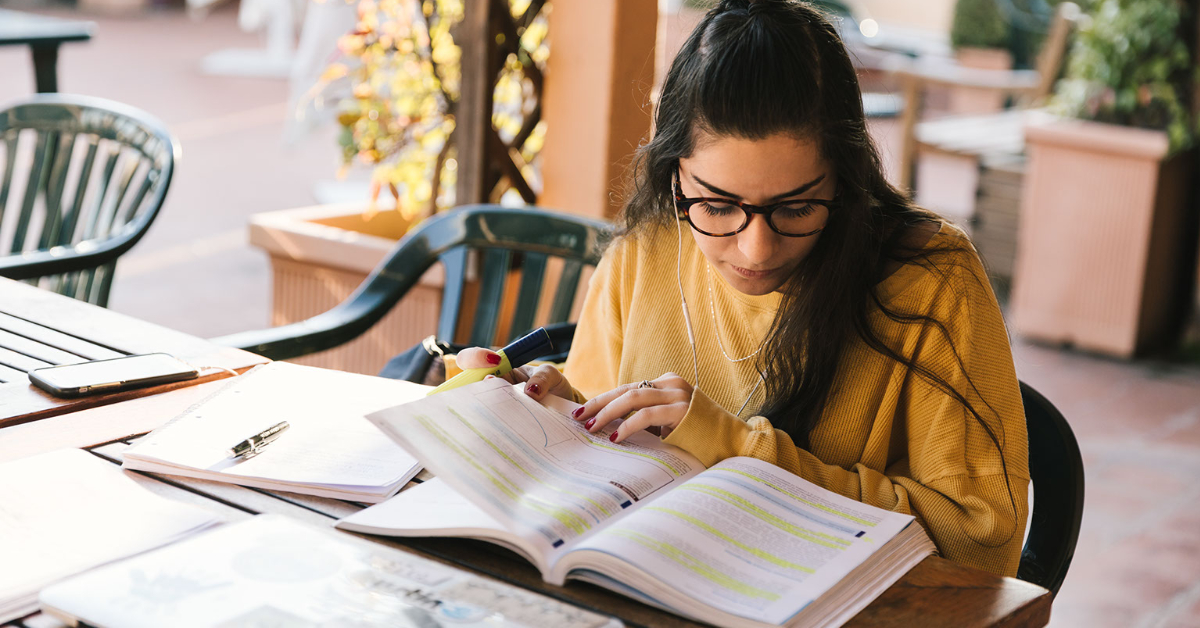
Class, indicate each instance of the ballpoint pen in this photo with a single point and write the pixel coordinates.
(515, 354)
(254, 445)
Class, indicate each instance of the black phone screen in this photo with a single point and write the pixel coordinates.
(113, 374)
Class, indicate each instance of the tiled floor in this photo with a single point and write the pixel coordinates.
(1138, 425)
(1138, 559)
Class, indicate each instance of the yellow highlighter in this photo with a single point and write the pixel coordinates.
(518, 352)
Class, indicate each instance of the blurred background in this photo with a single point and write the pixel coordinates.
(315, 134)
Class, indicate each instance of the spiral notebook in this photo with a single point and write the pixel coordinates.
(328, 450)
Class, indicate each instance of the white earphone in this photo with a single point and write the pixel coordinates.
(687, 319)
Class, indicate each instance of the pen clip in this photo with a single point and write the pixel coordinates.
(254, 445)
(255, 448)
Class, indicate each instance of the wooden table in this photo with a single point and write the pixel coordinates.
(43, 35)
(937, 593)
(39, 328)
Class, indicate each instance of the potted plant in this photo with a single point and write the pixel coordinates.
(979, 35)
(1104, 251)
(396, 87)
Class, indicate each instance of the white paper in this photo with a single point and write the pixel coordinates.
(431, 506)
(328, 441)
(271, 571)
(66, 511)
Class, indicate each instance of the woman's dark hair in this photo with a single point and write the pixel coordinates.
(752, 69)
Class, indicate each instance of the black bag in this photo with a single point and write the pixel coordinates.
(424, 363)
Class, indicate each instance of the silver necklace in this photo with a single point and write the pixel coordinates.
(717, 329)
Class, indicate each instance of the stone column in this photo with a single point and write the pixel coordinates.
(597, 101)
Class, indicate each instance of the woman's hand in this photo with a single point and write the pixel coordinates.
(660, 406)
(539, 380)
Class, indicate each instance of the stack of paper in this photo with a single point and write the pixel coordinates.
(67, 511)
(271, 571)
(329, 448)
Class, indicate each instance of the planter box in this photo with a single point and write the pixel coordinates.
(1102, 252)
(319, 255)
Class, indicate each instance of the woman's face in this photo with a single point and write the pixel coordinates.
(766, 171)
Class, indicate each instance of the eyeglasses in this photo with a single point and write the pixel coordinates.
(720, 217)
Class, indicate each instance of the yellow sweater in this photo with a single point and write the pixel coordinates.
(887, 437)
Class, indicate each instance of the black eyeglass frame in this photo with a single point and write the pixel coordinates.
(684, 204)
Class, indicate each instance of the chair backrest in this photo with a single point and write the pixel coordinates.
(83, 178)
(1054, 49)
(1056, 469)
(530, 266)
(508, 269)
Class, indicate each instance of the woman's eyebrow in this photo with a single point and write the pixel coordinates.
(800, 190)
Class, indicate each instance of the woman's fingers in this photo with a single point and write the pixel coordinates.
(589, 409)
(634, 399)
(538, 380)
(668, 381)
(477, 358)
(544, 380)
(648, 418)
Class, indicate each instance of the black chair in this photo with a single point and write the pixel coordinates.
(92, 175)
(1056, 470)
(498, 234)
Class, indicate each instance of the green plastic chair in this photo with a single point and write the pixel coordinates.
(499, 235)
(83, 180)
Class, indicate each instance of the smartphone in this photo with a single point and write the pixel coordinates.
(103, 376)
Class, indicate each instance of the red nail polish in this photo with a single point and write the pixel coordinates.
(493, 358)
(532, 389)
(577, 412)
(590, 423)
(613, 437)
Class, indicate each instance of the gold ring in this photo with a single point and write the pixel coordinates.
(645, 384)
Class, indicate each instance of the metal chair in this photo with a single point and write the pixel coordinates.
(975, 136)
(1056, 469)
(83, 180)
(498, 234)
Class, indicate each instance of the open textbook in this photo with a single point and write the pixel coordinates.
(743, 543)
(65, 511)
(329, 448)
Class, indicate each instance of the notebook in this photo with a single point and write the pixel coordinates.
(66, 511)
(273, 571)
(328, 450)
(743, 543)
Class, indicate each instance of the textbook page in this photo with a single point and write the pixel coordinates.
(66, 511)
(328, 442)
(432, 508)
(535, 470)
(744, 537)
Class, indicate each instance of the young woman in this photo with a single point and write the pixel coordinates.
(771, 295)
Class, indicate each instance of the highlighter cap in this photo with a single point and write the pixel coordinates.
(528, 347)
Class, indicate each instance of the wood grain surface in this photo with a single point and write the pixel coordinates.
(39, 328)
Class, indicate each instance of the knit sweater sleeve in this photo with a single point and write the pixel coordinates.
(594, 361)
(970, 497)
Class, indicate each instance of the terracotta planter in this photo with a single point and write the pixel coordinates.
(319, 255)
(965, 100)
(1102, 254)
